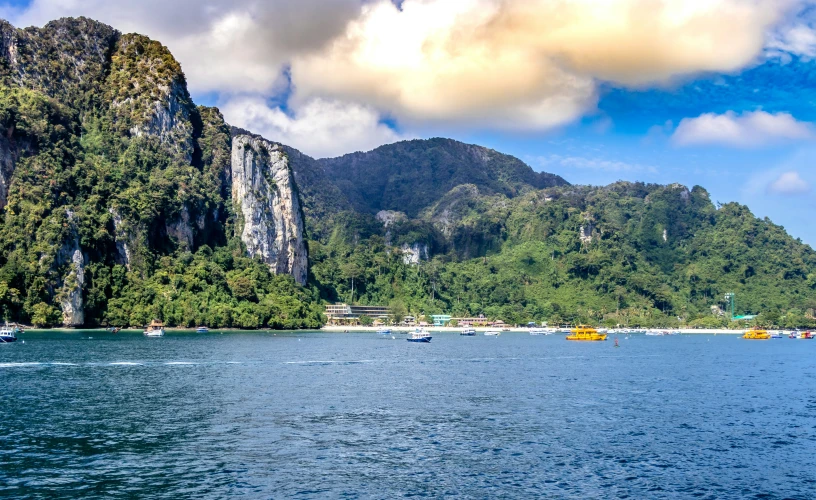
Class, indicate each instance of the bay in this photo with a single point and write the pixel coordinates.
(312, 414)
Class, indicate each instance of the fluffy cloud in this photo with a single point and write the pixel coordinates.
(789, 183)
(526, 64)
(320, 128)
(495, 63)
(563, 164)
(797, 38)
(223, 45)
(748, 130)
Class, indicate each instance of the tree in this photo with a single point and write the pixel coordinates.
(351, 270)
(366, 320)
(398, 311)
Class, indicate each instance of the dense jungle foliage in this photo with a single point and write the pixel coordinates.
(650, 255)
(96, 169)
(105, 157)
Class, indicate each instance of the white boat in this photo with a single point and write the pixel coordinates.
(493, 333)
(155, 329)
(540, 331)
(8, 334)
(468, 332)
(419, 335)
(383, 331)
(654, 334)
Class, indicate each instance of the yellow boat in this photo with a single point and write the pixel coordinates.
(757, 334)
(585, 333)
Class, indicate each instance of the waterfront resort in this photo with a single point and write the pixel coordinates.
(354, 315)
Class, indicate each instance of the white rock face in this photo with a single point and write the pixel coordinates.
(181, 230)
(412, 254)
(73, 308)
(585, 233)
(122, 248)
(169, 120)
(8, 160)
(264, 192)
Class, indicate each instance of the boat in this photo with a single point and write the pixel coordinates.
(805, 335)
(756, 333)
(539, 331)
(113, 329)
(419, 335)
(8, 334)
(776, 335)
(585, 333)
(383, 331)
(654, 334)
(155, 329)
(468, 332)
(493, 333)
(202, 329)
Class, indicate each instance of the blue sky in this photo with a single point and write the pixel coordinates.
(717, 93)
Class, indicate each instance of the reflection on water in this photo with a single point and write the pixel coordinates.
(315, 414)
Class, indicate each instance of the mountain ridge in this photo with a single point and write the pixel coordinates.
(125, 202)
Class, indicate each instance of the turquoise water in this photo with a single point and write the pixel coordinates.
(260, 415)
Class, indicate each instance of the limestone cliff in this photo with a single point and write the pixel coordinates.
(266, 203)
(69, 263)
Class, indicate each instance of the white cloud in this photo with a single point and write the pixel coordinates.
(797, 38)
(223, 45)
(526, 64)
(747, 130)
(320, 128)
(789, 183)
(563, 163)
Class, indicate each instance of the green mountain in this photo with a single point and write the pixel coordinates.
(123, 202)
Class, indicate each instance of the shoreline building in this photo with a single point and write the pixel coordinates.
(344, 314)
(441, 319)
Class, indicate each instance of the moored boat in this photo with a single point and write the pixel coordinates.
(8, 334)
(539, 331)
(756, 333)
(155, 329)
(468, 332)
(805, 335)
(776, 335)
(113, 329)
(383, 331)
(419, 335)
(585, 333)
(493, 333)
(202, 329)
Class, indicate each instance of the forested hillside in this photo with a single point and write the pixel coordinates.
(116, 191)
(628, 253)
(123, 202)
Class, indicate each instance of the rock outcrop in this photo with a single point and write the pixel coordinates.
(266, 200)
(70, 296)
(412, 254)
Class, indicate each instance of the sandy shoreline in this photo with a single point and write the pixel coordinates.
(372, 329)
(442, 329)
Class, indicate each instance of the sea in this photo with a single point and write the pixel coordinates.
(88, 414)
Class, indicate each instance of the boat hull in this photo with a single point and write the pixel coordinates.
(7, 340)
(154, 333)
(423, 340)
(592, 338)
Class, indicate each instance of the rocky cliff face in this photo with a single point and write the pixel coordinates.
(266, 201)
(148, 94)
